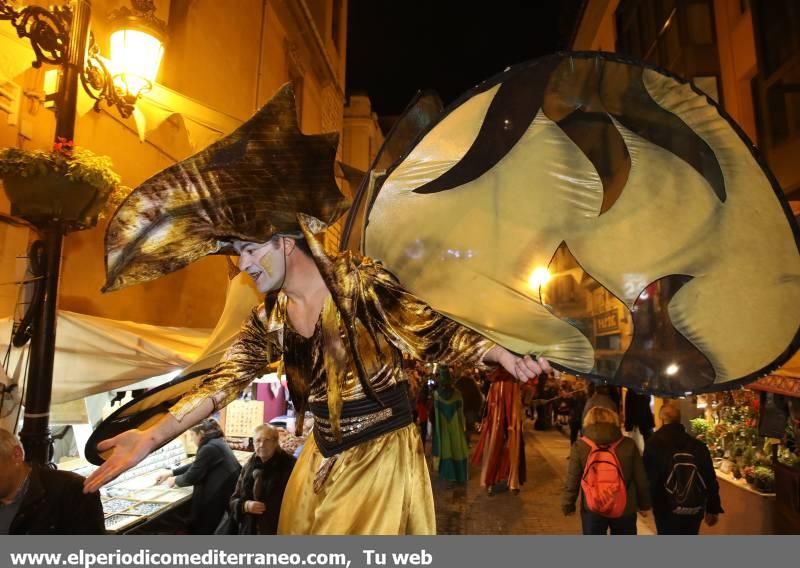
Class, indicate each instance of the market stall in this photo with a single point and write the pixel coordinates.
(94, 354)
(780, 411)
(134, 500)
(751, 448)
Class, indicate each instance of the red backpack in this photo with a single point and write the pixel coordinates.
(603, 484)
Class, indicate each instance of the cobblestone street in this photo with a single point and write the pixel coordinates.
(467, 509)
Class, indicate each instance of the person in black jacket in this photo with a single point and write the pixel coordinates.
(638, 414)
(658, 456)
(39, 500)
(256, 502)
(213, 473)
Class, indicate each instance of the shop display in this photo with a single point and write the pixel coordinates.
(131, 499)
(117, 522)
(730, 429)
(237, 443)
(289, 442)
(150, 494)
(242, 417)
(115, 491)
(116, 505)
(174, 494)
(146, 508)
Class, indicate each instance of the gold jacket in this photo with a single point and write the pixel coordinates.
(368, 321)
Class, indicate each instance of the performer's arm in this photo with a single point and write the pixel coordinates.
(244, 361)
(133, 446)
(414, 327)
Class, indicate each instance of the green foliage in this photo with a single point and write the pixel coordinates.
(75, 164)
(78, 165)
(700, 427)
(764, 479)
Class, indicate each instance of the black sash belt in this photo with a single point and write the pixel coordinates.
(361, 420)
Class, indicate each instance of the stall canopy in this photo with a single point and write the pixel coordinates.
(240, 300)
(96, 355)
(785, 380)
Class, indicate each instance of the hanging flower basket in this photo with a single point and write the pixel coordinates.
(67, 186)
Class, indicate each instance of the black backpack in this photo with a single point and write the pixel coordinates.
(686, 489)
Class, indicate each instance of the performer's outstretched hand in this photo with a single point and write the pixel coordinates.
(132, 446)
(129, 449)
(523, 368)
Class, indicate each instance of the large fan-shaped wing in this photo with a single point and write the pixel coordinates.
(418, 115)
(686, 272)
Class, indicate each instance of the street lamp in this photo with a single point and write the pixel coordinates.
(60, 36)
(137, 45)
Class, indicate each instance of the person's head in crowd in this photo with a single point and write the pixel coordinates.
(13, 469)
(206, 430)
(602, 390)
(600, 415)
(265, 441)
(424, 392)
(444, 377)
(670, 413)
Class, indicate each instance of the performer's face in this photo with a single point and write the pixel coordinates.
(264, 262)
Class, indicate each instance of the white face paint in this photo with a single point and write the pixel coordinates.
(264, 262)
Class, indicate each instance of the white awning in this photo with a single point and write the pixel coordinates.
(96, 355)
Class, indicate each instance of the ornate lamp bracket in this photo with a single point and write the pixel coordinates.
(100, 84)
(47, 30)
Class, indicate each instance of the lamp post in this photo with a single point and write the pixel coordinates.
(60, 37)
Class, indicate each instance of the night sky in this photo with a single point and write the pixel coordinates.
(397, 47)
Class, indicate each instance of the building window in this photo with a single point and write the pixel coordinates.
(336, 21)
(744, 6)
(778, 27)
(700, 28)
(776, 91)
(677, 35)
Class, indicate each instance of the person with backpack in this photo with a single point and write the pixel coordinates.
(608, 471)
(683, 484)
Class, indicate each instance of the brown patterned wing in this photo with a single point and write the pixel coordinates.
(249, 185)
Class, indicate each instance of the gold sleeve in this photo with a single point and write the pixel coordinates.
(245, 360)
(413, 326)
